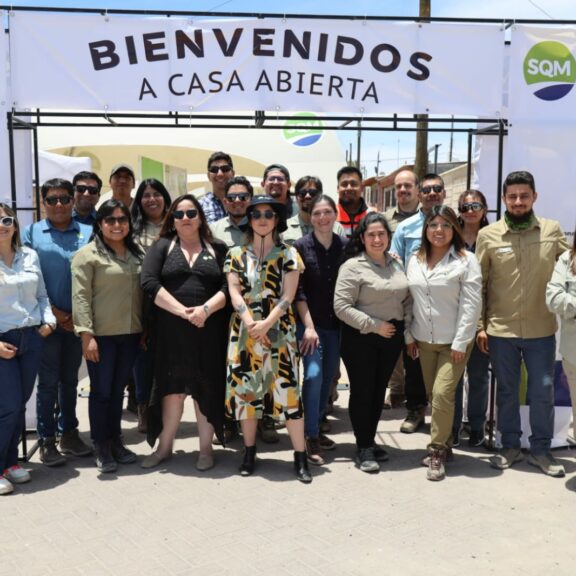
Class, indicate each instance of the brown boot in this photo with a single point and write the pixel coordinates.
(142, 418)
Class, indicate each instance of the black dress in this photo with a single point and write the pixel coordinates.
(187, 359)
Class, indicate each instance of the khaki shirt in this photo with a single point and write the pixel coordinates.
(394, 216)
(367, 294)
(516, 266)
(106, 294)
(228, 232)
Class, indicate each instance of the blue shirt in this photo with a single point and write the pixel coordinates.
(23, 298)
(89, 219)
(212, 206)
(408, 236)
(55, 250)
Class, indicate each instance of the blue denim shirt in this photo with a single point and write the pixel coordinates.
(89, 219)
(55, 249)
(408, 237)
(23, 298)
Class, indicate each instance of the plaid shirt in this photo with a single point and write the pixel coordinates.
(213, 207)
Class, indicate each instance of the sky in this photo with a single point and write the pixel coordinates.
(392, 149)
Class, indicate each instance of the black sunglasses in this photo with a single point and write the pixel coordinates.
(190, 214)
(308, 191)
(111, 220)
(53, 200)
(434, 188)
(242, 196)
(7, 221)
(90, 189)
(471, 207)
(268, 214)
(224, 168)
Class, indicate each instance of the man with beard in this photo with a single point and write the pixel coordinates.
(517, 255)
(351, 205)
(237, 195)
(306, 189)
(87, 186)
(406, 192)
(276, 183)
(220, 170)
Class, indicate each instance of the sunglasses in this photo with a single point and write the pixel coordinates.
(111, 220)
(308, 191)
(224, 168)
(190, 214)
(267, 214)
(7, 221)
(239, 196)
(471, 207)
(53, 200)
(90, 189)
(437, 188)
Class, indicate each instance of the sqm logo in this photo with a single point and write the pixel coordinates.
(551, 68)
(303, 137)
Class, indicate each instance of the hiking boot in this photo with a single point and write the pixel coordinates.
(414, 419)
(448, 457)
(314, 452)
(506, 457)
(326, 443)
(120, 453)
(71, 443)
(104, 460)
(436, 469)
(366, 460)
(545, 461)
(476, 439)
(49, 455)
(267, 431)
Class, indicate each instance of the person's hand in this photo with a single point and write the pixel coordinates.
(482, 341)
(412, 350)
(457, 357)
(196, 316)
(257, 331)
(63, 319)
(90, 347)
(310, 341)
(7, 351)
(386, 330)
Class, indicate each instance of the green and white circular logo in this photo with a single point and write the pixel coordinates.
(551, 68)
(303, 136)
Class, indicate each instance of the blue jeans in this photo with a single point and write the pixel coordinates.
(58, 383)
(478, 380)
(17, 377)
(506, 355)
(107, 382)
(319, 370)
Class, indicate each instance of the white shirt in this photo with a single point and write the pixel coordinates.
(447, 299)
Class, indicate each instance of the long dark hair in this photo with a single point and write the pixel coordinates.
(105, 210)
(15, 242)
(446, 213)
(355, 246)
(168, 229)
(478, 197)
(139, 217)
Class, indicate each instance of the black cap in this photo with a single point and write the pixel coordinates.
(278, 207)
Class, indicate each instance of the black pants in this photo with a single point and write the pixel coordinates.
(369, 361)
(414, 388)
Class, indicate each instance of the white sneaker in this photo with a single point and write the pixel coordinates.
(5, 486)
(17, 475)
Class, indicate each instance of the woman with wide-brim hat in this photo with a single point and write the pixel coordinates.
(262, 362)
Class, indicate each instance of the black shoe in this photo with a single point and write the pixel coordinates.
(120, 453)
(104, 460)
(249, 462)
(301, 467)
(455, 438)
(380, 454)
(49, 455)
(476, 439)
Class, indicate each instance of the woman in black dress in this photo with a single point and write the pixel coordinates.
(182, 274)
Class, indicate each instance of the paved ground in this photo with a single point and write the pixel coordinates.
(175, 520)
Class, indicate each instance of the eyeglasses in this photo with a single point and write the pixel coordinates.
(53, 200)
(190, 214)
(308, 191)
(242, 196)
(279, 179)
(267, 214)
(224, 168)
(112, 220)
(82, 188)
(440, 226)
(7, 221)
(471, 207)
(437, 188)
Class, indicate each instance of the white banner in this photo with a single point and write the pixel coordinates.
(543, 73)
(115, 62)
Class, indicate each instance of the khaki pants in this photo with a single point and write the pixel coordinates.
(570, 371)
(441, 378)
